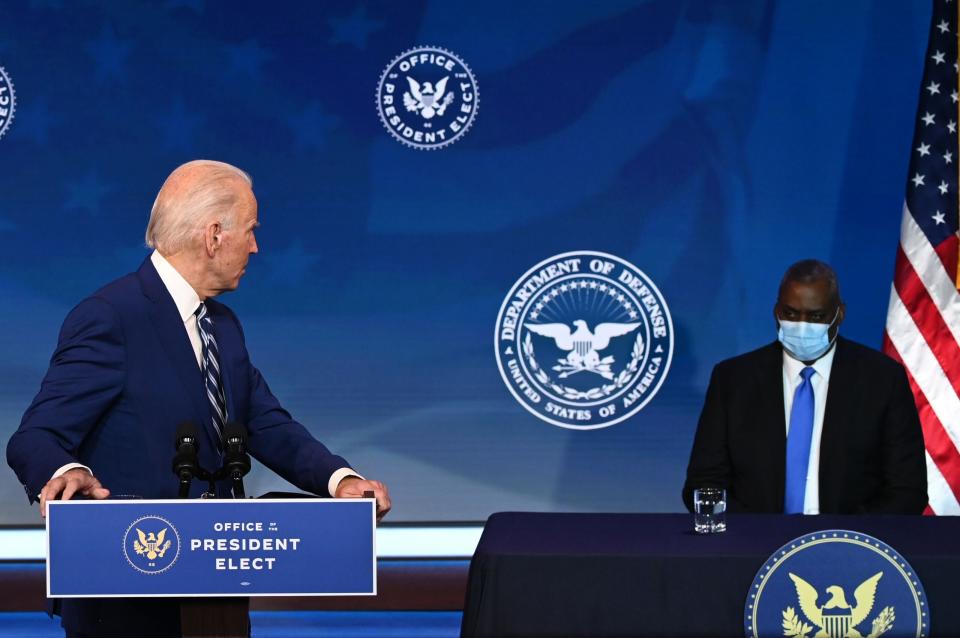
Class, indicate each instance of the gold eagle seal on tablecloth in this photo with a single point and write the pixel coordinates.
(836, 618)
(836, 583)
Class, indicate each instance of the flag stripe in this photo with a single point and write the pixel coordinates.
(947, 252)
(940, 449)
(929, 268)
(936, 332)
(942, 500)
(922, 364)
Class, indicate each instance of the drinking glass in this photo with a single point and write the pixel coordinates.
(709, 510)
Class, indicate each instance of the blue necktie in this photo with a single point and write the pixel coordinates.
(210, 360)
(798, 444)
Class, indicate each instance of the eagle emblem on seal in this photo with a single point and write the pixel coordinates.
(583, 345)
(151, 544)
(836, 618)
(428, 99)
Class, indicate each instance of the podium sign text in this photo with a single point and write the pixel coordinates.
(303, 547)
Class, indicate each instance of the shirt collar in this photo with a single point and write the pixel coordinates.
(184, 296)
(792, 367)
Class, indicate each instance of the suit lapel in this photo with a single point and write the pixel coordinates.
(772, 450)
(176, 344)
(836, 415)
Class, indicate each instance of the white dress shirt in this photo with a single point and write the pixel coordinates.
(820, 381)
(187, 301)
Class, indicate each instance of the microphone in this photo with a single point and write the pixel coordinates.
(236, 461)
(185, 461)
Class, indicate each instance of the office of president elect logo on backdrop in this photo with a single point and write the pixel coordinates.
(427, 98)
(836, 584)
(8, 101)
(584, 340)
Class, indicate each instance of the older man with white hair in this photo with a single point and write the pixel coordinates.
(149, 351)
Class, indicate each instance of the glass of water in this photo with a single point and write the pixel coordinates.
(709, 510)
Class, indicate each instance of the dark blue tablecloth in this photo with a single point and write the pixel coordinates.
(650, 575)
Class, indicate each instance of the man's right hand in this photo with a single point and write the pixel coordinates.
(63, 487)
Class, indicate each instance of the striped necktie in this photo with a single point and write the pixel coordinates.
(798, 444)
(210, 363)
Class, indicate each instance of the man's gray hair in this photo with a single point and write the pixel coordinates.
(185, 205)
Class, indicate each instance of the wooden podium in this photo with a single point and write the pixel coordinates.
(215, 618)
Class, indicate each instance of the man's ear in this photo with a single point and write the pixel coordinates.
(212, 238)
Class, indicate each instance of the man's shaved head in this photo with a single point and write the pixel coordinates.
(810, 271)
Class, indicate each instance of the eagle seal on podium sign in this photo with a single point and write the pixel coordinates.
(151, 544)
(804, 590)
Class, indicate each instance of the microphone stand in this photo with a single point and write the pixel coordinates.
(236, 461)
(185, 462)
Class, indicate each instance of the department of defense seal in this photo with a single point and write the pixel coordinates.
(584, 340)
(839, 584)
(427, 98)
(151, 544)
(8, 101)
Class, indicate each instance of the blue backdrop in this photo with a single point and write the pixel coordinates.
(708, 143)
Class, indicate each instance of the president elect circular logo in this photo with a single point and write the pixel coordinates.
(427, 98)
(8, 101)
(151, 544)
(836, 583)
(584, 340)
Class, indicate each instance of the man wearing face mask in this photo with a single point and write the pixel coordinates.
(811, 423)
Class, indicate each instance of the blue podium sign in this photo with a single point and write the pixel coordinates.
(302, 547)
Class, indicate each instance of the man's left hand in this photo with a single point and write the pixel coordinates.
(354, 487)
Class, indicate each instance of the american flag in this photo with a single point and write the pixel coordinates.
(923, 318)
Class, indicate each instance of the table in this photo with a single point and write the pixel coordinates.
(536, 574)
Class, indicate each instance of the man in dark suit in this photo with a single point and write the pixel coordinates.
(812, 423)
(149, 351)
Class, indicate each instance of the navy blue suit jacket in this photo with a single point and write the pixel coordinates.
(123, 376)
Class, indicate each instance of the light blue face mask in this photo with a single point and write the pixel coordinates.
(806, 341)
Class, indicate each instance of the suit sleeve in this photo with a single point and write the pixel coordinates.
(710, 464)
(86, 375)
(904, 470)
